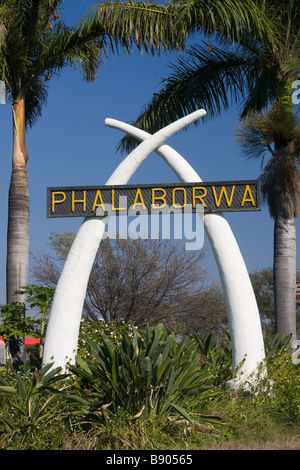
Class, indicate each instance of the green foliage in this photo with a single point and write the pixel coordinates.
(31, 404)
(217, 357)
(14, 323)
(94, 330)
(275, 132)
(39, 298)
(285, 398)
(275, 344)
(259, 131)
(146, 375)
(263, 285)
(279, 392)
(150, 24)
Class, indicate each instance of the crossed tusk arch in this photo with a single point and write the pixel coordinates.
(243, 316)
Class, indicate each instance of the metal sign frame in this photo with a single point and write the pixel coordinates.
(89, 201)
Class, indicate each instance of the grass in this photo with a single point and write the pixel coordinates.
(230, 422)
(253, 431)
(240, 426)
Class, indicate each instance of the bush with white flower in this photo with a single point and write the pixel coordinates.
(93, 330)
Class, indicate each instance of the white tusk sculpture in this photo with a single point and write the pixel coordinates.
(64, 320)
(63, 327)
(243, 315)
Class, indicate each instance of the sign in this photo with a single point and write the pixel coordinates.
(132, 199)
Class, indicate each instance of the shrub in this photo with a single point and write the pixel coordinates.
(94, 330)
(284, 376)
(29, 405)
(217, 356)
(142, 374)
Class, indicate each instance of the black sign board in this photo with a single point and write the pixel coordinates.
(164, 198)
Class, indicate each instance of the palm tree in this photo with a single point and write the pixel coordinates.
(278, 134)
(250, 67)
(35, 44)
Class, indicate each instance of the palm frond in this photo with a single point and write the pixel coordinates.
(262, 88)
(230, 18)
(68, 47)
(202, 79)
(38, 18)
(251, 133)
(148, 25)
(270, 129)
(167, 26)
(36, 98)
(31, 49)
(277, 134)
(34, 45)
(13, 61)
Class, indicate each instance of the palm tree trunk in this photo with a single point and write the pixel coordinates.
(18, 223)
(285, 231)
(285, 276)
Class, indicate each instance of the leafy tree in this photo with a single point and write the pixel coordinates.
(249, 66)
(15, 325)
(13, 328)
(35, 44)
(263, 286)
(39, 298)
(276, 132)
(142, 281)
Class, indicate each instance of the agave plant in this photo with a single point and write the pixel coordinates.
(31, 403)
(217, 356)
(144, 375)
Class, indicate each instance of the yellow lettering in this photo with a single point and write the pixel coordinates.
(199, 196)
(250, 198)
(113, 202)
(184, 198)
(96, 204)
(138, 194)
(59, 201)
(223, 191)
(83, 201)
(162, 198)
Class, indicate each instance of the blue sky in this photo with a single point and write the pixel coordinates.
(71, 146)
